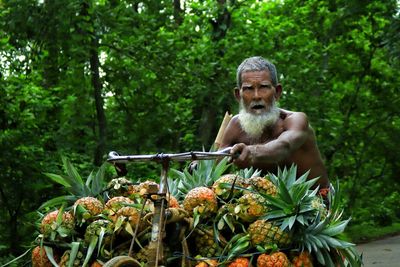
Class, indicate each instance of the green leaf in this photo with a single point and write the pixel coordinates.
(92, 246)
(50, 255)
(57, 201)
(71, 171)
(73, 253)
(58, 179)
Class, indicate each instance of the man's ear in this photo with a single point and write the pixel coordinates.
(236, 91)
(278, 91)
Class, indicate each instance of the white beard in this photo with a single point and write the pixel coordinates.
(254, 124)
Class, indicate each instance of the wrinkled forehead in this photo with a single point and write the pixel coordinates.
(262, 76)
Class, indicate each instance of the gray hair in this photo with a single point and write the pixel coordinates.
(256, 64)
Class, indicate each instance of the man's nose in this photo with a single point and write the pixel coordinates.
(257, 94)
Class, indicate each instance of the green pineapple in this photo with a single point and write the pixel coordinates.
(266, 234)
(205, 242)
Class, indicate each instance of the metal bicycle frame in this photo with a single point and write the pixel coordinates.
(156, 257)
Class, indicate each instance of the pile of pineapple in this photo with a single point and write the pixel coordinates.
(213, 218)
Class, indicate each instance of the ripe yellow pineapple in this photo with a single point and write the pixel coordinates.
(223, 190)
(302, 260)
(115, 204)
(130, 215)
(146, 187)
(240, 262)
(265, 233)
(52, 229)
(276, 259)
(91, 205)
(40, 259)
(172, 202)
(262, 185)
(203, 199)
(207, 263)
(250, 207)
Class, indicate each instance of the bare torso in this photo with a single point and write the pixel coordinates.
(304, 152)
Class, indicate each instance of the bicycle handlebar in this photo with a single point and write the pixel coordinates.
(114, 157)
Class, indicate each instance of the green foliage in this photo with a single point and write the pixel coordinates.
(166, 76)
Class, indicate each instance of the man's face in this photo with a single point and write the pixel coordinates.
(257, 94)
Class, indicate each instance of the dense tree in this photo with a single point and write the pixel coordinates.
(80, 78)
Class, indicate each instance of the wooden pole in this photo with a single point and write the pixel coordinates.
(221, 131)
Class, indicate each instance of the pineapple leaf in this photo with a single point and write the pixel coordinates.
(352, 256)
(291, 220)
(101, 237)
(291, 175)
(228, 221)
(96, 185)
(57, 201)
(73, 253)
(327, 258)
(58, 179)
(336, 229)
(92, 246)
(274, 214)
(50, 255)
(71, 171)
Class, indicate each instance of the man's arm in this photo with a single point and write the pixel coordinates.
(296, 131)
(231, 133)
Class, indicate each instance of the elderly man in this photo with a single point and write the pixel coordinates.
(265, 136)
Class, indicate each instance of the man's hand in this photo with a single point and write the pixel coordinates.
(243, 156)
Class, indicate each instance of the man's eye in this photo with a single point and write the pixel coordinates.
(266, 86)
(247, 88)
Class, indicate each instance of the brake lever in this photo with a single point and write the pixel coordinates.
(227, 150)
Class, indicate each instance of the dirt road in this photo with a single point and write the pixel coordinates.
(381, 253)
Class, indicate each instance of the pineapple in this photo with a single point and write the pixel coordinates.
(86, 208)
(303, 259)
(77, 261)
(54, 226)
(173, 202)
(96, 263)
(143, 255)
(114, 204)
(276, 259)
(129, 215)
(99, 228)
(223, 186)
(205, 243)
(120, 187)
(266, 234)
(40, 259)
(250, 207)
(262, 185)
(240, 262)
(207, 263)
(201, 199)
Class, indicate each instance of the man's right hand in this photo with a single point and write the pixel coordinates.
(242, 155)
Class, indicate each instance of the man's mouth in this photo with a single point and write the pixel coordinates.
(257, 107)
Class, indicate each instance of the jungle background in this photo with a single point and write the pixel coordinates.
(80, 78)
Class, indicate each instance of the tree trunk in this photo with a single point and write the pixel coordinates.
(99, 102)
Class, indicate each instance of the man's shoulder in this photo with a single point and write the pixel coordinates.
(294, 119)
